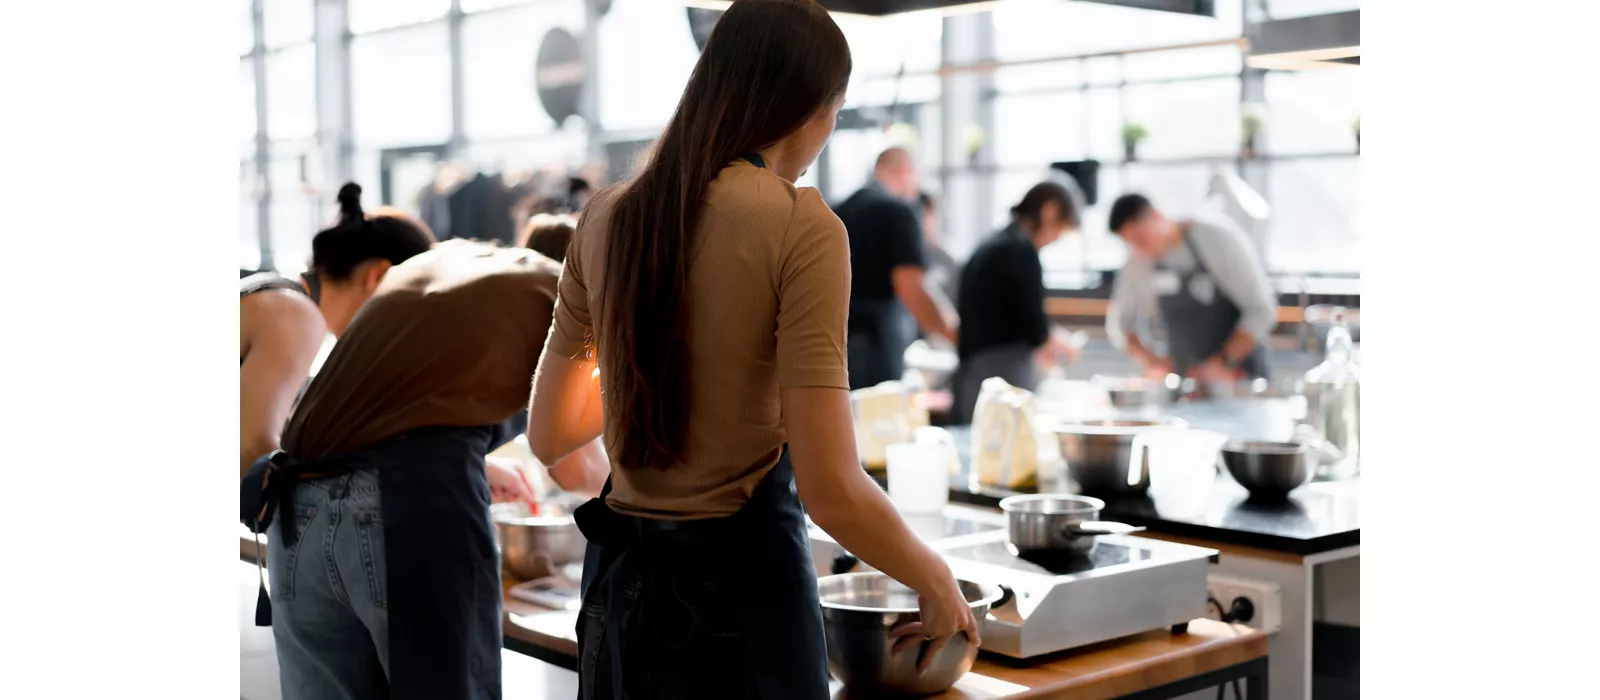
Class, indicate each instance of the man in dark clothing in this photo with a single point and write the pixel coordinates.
(887, 273)
(1005, 332)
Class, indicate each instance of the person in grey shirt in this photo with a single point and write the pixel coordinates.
(1206, 287)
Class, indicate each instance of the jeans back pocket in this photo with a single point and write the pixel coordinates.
(282, 579)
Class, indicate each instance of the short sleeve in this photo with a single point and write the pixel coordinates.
(905, 237)
(813, 298)
(571, 331)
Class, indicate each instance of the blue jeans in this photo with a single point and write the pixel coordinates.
(330, 622)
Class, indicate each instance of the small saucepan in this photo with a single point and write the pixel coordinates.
(1056, 524)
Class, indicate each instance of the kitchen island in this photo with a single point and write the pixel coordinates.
(1150, 666)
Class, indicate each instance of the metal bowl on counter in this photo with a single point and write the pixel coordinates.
(1258, 388)
(1138, 392)
(1101, 455)
(1050, 523)
(1269, 470)
(535, 546)
(859, 609)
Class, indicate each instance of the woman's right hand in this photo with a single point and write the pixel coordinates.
(942, 615)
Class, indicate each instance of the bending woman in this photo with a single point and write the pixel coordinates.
(712, 295)
(283, 323)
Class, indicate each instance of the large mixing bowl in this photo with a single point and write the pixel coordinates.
(858, 610)
(1268, 470)
(535, 546)
(1101, 457)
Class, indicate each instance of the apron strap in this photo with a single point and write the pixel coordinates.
(1194, 250)
(268, 490)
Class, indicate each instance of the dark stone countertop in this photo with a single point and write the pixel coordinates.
(1208, 505)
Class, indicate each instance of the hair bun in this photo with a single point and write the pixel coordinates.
(350, 202)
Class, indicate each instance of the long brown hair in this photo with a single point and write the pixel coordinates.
(769, 66)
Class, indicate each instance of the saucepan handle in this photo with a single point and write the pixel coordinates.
(1098, 527)
(1006, 594)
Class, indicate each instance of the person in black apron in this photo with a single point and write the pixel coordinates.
(1006, 333)
(889, 298)
(419, 567)
(698, 581)
(1210, 291)
(1199, 320)
(385, 579)
(281, 333)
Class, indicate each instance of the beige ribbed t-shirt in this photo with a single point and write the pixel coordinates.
(769, 295)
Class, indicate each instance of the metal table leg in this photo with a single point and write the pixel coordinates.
(1252, 672)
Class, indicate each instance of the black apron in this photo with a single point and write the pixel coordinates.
(1199, 324)
(1013, 362)
(703, 609)
(443, 569)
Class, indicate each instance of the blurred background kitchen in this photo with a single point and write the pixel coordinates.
(477, 115)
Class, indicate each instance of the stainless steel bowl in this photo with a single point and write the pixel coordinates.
(1055, 523)
(859, 609)
(535, 546)
(1100, 454)
(1138, 392)
(1268, 470)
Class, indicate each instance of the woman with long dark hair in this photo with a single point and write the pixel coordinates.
(708, 298)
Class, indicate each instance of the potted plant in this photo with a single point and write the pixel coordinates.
(1355, 126)
(1252, 117)
(1132, 134)
(973, 139)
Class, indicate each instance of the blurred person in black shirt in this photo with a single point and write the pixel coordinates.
(944, 273)
(887, 268)
(1004, 330)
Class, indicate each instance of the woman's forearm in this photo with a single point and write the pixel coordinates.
(845, 502)
(867, 525)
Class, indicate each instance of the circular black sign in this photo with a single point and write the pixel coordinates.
(701, 22)
(559, 74)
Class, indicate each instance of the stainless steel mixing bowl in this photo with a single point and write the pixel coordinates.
(1138, 392)
(535, 546)
(1100, 454)
(1268, 470)
(859, 609)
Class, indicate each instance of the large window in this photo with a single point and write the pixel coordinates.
(498, 54)
(400, 87)
(247, 104)
(1312, 112)
(293, 215)
(373, 15)
(286, 22)
(249, 213)
(646, 55)
(291, 93)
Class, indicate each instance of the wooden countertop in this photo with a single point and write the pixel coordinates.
(1099, 672)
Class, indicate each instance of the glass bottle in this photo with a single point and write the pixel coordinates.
(1333, 403)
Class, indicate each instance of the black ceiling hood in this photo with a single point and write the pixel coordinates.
(892, 7)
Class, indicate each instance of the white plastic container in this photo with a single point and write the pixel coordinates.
(919, 479)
